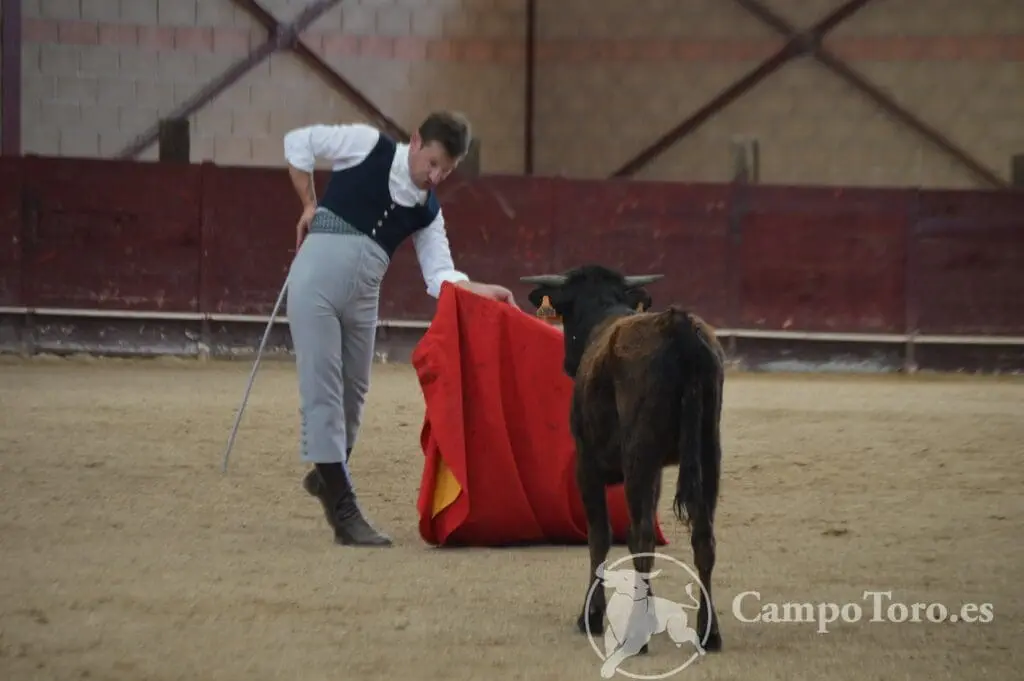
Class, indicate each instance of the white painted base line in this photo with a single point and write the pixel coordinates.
(156, 315)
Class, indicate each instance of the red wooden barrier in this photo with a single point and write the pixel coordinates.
(823, 259)
(248, 238)
(966, 266)
(101, 234)
(109, 235)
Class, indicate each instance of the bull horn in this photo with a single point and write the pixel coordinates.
(642, 279)
(545, 279)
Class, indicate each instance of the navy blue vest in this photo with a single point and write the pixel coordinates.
(360, 196)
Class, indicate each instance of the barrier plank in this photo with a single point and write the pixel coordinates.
(822, 259)
(679, 230)
(248, 227)
(10, 231)
(118, 235)
(967, 265)
(111, 234)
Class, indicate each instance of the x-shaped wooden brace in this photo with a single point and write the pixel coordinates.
(799, 43)
(280, 36)
(317, 63)
(288, 36)
(833, 63)
(796, 45)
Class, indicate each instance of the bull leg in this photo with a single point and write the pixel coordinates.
(643, 488)
(599, 538)
(654, 504)
(702, 538)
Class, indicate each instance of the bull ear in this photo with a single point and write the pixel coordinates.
(639, 299)
(537, 295)
(545, 279)
(642, 279)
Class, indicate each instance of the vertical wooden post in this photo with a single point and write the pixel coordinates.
(746, 160)
(174, 140)
(470, 163)
(1017, 170)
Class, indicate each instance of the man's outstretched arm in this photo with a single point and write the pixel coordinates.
(434, 254)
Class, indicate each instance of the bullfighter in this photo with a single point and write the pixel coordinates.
(380, 193)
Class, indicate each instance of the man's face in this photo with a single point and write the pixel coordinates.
(429, 164)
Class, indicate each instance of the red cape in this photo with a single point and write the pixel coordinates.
(499, 456)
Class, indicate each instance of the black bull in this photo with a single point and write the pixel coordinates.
(647, 394)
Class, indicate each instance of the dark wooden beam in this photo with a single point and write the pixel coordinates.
(796, 45)
(531, 57)
(10, 89)
(874, 93)
(723, 99)
(313, 60)
(280, 37)
(291, 39)
(902, 114)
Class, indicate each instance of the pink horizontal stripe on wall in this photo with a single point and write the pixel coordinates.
(411, 48)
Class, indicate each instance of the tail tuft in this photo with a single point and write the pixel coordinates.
(698, 359)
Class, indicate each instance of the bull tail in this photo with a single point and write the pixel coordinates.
(698, 359)
(689, 487)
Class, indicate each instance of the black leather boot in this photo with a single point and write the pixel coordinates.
(329, 484)
(314, 486)
(314, 483)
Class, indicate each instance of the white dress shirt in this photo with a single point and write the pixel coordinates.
(347, 145)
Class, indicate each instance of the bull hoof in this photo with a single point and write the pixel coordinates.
(714, 643)
(596, 624)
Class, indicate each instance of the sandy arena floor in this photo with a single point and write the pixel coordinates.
(127, 555)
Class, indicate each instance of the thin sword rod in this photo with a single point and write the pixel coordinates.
(259, 353)
(252, 376)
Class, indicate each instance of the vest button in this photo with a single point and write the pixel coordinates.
(380, 223)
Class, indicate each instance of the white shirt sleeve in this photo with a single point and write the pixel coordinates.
(435, 256)
(342, 145)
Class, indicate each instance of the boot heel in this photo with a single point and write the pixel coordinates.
(315, 487)
(352, 529)
(329, 484)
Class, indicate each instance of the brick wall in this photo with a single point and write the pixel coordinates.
(99, 72)
(612, 77)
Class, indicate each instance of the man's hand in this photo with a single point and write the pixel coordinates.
(302, 228)
(302, 181)
(492, 291)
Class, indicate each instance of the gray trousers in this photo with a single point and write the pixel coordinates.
(332, 314)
